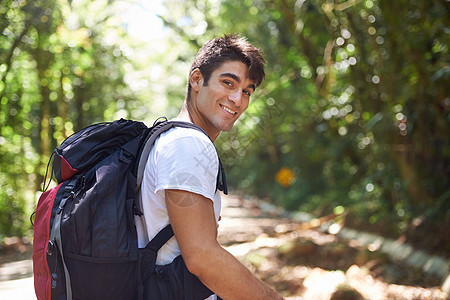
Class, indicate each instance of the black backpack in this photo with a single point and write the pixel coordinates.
(85, 240)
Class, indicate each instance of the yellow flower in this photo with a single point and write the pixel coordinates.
(285, 177)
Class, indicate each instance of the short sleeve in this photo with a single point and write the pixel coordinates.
(187, 162)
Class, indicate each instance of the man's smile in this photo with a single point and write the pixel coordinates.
(227, 109)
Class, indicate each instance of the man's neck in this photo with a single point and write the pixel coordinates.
(187, 116)
(184, 114)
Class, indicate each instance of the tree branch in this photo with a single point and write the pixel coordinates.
(8, 61)
(180, 31)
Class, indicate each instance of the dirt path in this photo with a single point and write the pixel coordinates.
(301, 264)
(308, 264)
(16, 280)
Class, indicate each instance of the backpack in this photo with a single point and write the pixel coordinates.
(85, 241)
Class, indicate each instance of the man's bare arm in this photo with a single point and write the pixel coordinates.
(192, 219)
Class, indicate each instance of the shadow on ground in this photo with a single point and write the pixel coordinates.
(299, 262)
(304, 263)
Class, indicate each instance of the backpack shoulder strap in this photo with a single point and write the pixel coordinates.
(154, 133)
(160, 239)
(55, 235)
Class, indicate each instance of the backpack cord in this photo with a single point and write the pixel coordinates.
(32, 217)
(44, 188)
(164, 119)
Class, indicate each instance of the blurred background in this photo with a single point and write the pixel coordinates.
(352, 119)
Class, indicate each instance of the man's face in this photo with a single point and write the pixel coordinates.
(219, 104)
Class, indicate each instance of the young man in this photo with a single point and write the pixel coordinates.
(179, 184)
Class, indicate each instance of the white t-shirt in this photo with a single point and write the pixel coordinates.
(182, 159)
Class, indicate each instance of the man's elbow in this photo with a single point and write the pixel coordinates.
(200, 261)
(195, 267)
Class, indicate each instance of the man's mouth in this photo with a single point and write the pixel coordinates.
(227, 109)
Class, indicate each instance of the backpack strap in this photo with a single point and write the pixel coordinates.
(149, 141)
(157, 130)
(160, 239)
(147, 257)
(55, 235)
(156, 243)
(221, 182)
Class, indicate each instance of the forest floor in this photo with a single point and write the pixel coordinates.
(302, 262)
(299, 261)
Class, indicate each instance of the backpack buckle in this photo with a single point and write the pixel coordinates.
(50, 247)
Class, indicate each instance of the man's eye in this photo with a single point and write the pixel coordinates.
(247, 93)
(228, 83)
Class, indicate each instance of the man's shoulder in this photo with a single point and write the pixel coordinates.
(183, 135)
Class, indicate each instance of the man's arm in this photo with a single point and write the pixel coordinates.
(194, 225)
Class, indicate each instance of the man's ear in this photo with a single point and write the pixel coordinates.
(196, 79)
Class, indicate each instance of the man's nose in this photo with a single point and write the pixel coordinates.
(235, 96)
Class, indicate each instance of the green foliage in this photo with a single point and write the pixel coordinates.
(354, 108)
(62, 67)
(355, 104)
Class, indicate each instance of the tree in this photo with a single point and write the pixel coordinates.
(62, 67)
(355, 103)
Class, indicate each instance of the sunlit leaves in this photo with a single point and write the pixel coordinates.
(61, 68)
(355, 102)
(354, 81)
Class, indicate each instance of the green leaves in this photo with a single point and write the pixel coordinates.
(355, 101)
(338, 74)
(56, 76)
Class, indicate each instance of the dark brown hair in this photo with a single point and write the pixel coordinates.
(231, 47)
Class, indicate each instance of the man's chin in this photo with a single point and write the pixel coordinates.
(227, 128)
